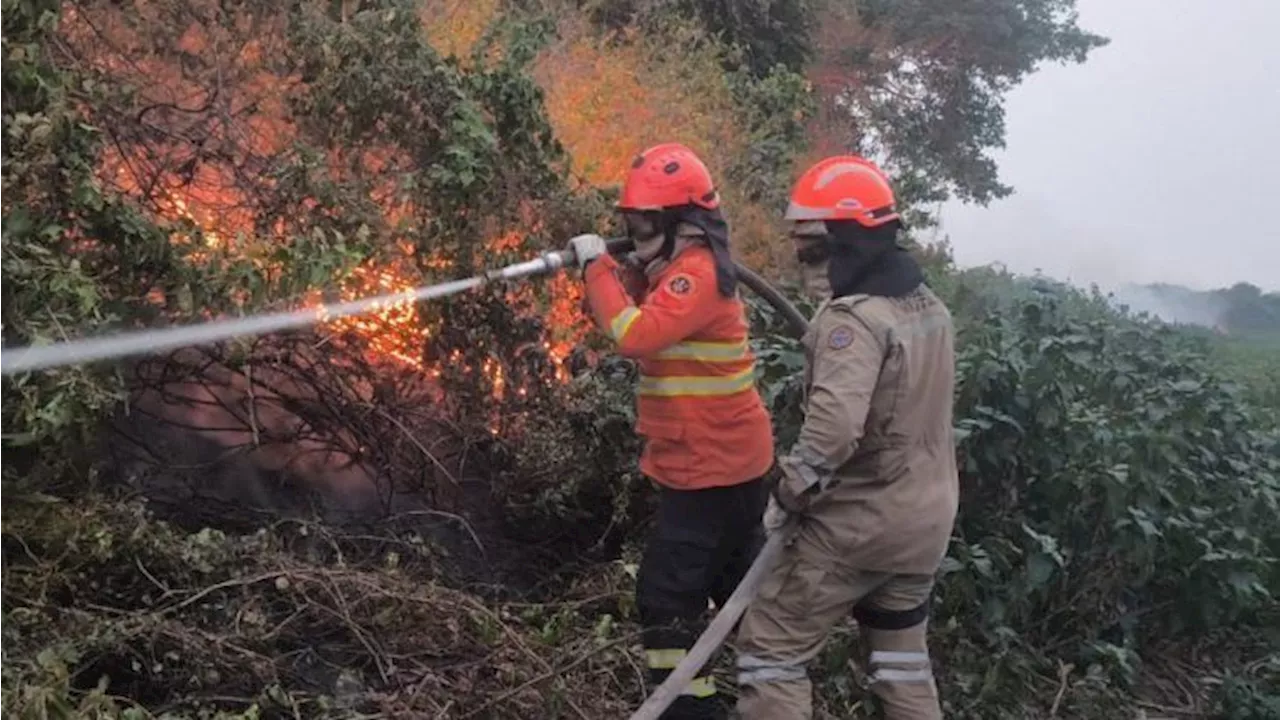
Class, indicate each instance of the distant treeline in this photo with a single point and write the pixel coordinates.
(1241, 308)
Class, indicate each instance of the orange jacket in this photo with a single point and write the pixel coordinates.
(697, 406)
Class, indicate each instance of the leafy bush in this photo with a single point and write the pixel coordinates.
(1115, 491)
(1081, 437)
(1243, 698)
(1251, 360)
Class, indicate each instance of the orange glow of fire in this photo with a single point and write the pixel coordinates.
(245, 124)
(391, 330)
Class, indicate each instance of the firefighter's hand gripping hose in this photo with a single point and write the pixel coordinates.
(73, 352)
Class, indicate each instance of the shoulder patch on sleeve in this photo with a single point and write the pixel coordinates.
(680, 284)
(840, 338)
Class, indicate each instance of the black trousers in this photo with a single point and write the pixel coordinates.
(703, 543)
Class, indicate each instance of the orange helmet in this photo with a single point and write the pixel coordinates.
(668, 175)
(845, 187)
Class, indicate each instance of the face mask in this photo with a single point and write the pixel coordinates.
(644, 231)
(814, 257)
(814, 278)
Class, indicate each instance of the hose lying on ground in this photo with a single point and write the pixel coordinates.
(727, 617)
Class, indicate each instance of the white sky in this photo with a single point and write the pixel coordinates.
(1157, 160)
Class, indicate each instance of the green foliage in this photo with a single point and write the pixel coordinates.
(575, 465)
(52, 203)
(1082, 437)
(1248, 698)
(766, 34)
(780, 364)
(920, 83)
(469, 146)
(776, 107)
(1115, 492)
(1239, 327)
(79, 260)
(1251, 360)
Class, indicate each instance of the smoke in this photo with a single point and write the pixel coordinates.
(303, 436)
(1172, 304)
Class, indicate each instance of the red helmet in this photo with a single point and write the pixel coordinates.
(668, 175)
(845, 187)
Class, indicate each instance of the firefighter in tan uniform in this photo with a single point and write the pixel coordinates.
(872, 479)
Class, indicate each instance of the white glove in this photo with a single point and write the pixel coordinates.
(587, 248)
(774, 515)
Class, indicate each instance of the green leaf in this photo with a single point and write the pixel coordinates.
(1040, 568)
(17, 223)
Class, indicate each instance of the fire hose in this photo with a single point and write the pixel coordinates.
(74, 352)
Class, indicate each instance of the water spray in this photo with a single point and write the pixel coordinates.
(146, 342)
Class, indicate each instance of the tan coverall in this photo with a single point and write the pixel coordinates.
(877, 454)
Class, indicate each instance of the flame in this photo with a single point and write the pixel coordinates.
(610, 97)
(210, 130)
(391, 330)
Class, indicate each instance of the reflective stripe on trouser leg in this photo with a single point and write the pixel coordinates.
(773, 689)
(662, 661)
(901, 674)
(754, 670)
(899, 665)
(800, 600)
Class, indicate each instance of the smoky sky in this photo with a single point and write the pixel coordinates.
(1157, 160)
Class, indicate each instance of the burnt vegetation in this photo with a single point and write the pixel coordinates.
(434, 510)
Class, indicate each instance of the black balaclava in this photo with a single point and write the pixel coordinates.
(869, 261)
(716, 231)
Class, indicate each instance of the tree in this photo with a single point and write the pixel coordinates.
(921, 83)
(918, 84)
(766, 33)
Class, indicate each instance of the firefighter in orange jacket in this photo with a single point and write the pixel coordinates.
(709, 439)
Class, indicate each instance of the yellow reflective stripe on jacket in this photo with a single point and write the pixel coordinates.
(706, 351)
(695, 385)
(622, 322)
(702, 687)
(665, 659)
